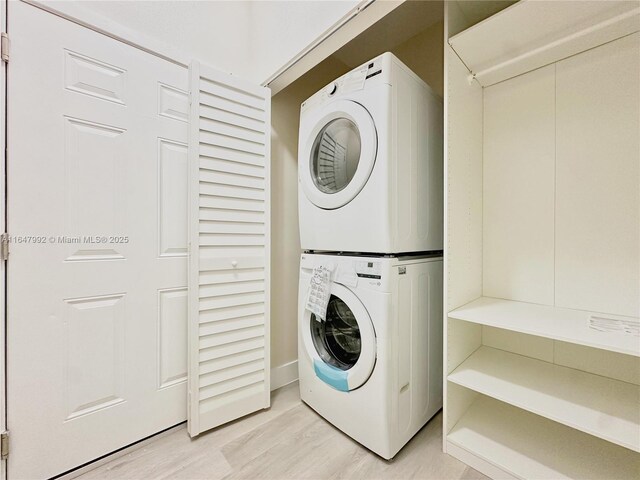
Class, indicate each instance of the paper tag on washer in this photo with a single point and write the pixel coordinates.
(319, 292)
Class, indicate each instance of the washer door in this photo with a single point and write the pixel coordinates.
(339, 155)
(342, 347)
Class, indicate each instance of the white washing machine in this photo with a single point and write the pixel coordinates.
(373, 368)
(370, 163)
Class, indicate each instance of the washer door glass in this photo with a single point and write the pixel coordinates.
(335, 155)
(337, 340)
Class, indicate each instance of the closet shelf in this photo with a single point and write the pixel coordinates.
(562, 324)
(531, 34)
(600, 406)
(530, 446)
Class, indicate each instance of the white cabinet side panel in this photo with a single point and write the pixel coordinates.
(464, 185)
(518, 203)
(598, 179)
(230, 249)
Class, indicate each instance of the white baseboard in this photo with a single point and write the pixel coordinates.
(284, 375)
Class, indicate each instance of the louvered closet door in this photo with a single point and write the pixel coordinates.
(229, 247)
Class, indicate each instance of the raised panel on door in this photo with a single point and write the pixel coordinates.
(96, 201)
(97, 342)
(229, 248)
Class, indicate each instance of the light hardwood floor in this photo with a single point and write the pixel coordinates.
(288, 441)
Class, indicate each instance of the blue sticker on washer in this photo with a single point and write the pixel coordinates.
(331, 375)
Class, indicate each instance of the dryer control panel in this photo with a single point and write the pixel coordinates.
(350, 82)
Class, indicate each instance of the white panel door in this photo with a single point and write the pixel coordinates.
(229, 147)
(96, 329)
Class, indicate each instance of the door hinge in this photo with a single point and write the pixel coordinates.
(4, 46)
(4, 246)
(4, 445)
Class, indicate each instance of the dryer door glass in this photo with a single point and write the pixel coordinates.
(335, 155)
(337, 340)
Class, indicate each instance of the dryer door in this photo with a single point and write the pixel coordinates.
(339, 153)
(342, 347)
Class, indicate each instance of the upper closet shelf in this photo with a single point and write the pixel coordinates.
(562, 324)
(531, 34)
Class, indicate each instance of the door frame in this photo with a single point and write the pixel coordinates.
(3, 215)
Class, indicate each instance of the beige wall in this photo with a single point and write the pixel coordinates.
(285, 239)
(423, 53)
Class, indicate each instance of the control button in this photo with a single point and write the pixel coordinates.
(333, 88)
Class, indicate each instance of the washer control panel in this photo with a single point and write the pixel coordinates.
(368, 269)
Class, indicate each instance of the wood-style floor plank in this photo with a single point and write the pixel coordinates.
(288, 441)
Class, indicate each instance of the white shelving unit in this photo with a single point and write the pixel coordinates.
(552, 31)
(601, 406)
(531, 446)
(542, 127)
(562, 324)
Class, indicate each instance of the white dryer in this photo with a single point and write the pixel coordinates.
(370, 163)
(373, 368)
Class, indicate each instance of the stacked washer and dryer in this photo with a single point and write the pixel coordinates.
(371, 213)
